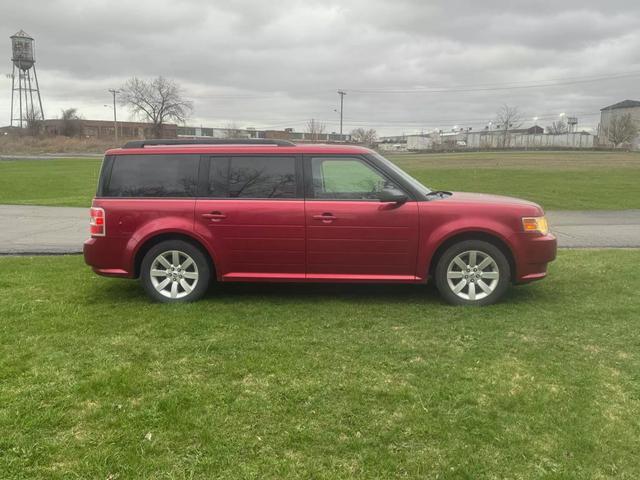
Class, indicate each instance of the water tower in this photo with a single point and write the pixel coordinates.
(23, 57)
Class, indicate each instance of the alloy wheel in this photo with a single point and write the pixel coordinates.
(473, 275)
(174, 274)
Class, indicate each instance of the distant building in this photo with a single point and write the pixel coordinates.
(607, 114)
(286, 134)
(104, 129)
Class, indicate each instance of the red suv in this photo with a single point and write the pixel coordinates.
(177, 213)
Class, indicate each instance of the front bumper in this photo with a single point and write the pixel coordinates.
(533, 254)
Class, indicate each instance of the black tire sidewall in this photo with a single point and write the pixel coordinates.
(463, 246)
(201, 261)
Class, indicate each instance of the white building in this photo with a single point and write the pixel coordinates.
(631, 107)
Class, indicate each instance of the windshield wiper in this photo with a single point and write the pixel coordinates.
(440, 193)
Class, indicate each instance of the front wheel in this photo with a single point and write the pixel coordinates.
(175, 271)
(472, 272)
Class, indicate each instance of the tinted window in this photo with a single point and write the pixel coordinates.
(154, 176)
(348, 179)
(253, 177)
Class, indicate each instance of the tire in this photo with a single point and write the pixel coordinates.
(166, 282)
(465, 286)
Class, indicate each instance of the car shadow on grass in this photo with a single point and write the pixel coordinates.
(127, 291)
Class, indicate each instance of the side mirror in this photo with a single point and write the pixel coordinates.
(392, 197)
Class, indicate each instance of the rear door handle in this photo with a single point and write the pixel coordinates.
(215, 216)
(325, 217)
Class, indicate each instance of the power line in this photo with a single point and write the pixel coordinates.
(509, 86)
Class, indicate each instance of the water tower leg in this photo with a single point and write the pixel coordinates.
(13, 92)
(20, 93)
(35, 76)
(33, 112)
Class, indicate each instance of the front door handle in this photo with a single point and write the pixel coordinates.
(325, 217)
(215, 216)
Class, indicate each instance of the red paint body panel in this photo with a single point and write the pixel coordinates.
(293, 240)
(365, 238)
(255, 237)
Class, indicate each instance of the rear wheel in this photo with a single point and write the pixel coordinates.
(472, 272)
(175, 271)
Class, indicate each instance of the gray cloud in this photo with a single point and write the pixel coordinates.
(279, 63)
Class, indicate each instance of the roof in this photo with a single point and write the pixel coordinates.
(243, 149)
(623, 104)
(22, 34)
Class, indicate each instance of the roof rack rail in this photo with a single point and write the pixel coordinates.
(208, 141)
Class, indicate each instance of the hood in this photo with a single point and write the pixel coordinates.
(493, 200)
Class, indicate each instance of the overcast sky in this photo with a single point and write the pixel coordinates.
(278, 63)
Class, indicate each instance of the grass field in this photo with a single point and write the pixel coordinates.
(267, 381)
(556, 180)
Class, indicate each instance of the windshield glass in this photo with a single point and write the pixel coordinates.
(415, 183)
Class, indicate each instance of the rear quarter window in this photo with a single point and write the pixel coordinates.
(153, 176)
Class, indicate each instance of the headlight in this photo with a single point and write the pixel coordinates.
(535, 224)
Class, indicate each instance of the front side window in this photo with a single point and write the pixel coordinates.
(252, 177)
(348, 179)
(153, 176)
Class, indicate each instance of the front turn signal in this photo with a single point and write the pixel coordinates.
(535, 224)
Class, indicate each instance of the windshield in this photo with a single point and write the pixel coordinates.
(408, 178)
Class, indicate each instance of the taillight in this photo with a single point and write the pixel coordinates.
(97, 226)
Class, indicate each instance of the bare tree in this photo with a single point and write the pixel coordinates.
(364, 137)
(622, 129)
(507, 119)
(232, 130)
(71, 122)
(157, 101)
(558, 128)
(35, 125)
(315, 129)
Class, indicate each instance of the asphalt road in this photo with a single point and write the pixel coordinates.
(50, 230)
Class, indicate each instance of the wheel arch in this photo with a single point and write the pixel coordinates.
(493, 239)
(154, 240)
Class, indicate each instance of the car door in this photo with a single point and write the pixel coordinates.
(351, 234)
(253, 216)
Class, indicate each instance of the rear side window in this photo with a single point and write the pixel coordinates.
(153, 176)
(252, 177)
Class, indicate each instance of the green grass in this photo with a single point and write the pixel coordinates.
(556, 180)
(67, 182)
(315, 381)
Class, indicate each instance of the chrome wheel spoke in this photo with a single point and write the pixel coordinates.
(455, 274)
(175, 258)
(460, 263)
(485, 263)
(163, 261)
(158, 273)
(472, 291)
(472, 258)
(485, 288)
(174, 289)
(490, 275)
(163, 284)
(185, 286)
(190, 275)
(458, 288)
(187, 263)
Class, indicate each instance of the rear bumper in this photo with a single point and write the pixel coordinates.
(105, 257)
(533, 256)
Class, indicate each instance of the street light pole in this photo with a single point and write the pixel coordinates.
(115, 116)
(342, 93)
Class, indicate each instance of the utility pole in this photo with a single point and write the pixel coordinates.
(342, 93)
(115, 116)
